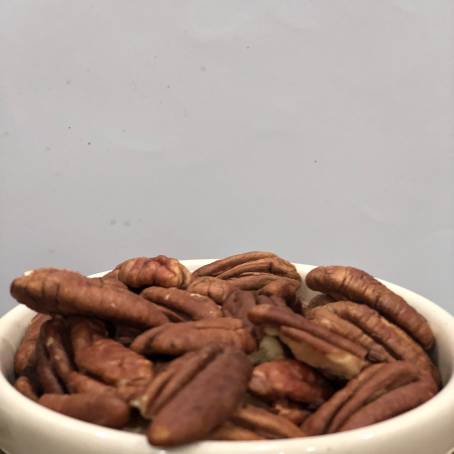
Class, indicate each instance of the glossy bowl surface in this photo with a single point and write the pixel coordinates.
(26, 427)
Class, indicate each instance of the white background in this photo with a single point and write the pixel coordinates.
(321, 130)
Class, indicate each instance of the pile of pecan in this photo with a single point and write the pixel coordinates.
(228, 352)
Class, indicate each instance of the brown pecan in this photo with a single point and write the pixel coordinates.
(367, 388)
(26, 387)
(178, 338)
(316, 301)
(237, 265)
(205, 401)
(140, 272)
(79, 383)
(265, 424)
(110, 281)
(190, 306)
(102, 409)
(311, 343)
(356, 285)
(217, 289)
(384, 341)
(288, 378)
(65, 292)
(116, 365)
(84, 331)
(25, 356)
(126, 334)
(233, 432)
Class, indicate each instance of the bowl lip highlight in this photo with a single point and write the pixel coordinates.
(32, 412)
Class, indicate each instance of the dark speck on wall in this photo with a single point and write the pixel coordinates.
(315, 161)
(113, 222)
(203, 68)
(88, 143)
(51, 251)
(68, 82)
(126, 223)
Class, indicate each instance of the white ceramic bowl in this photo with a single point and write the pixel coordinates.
(26, 427)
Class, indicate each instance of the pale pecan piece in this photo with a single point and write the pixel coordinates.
(233, 432)
(190, 306)
(311, 343)
(26, 387)
(288, 378)
(384, 341)
(217, 289)
(178, 338)
(25, 356)
(65, 292)
(102, 409)
(140, 272)
(356, 285)
(291, 410)
(79, 383)
(269, 349)
(115, 365)
(207, 400)
(45, 374)
(364, 390)
(265, 424)
(237, 265)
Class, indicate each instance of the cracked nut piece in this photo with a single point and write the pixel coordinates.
(102, 409)
(189, 306)
(347, 283)
(311, 343)
(384, 341)
(377, 393)
(25, 356)
(216, 289)
(249, 262)
(54, 291)
(140, 272)
(291, 379)
(26, 387)
(178, 338)
(205, 399)
(291, 410)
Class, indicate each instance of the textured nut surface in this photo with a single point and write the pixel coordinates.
(207, 400)
(356, 285)
(25, 356)
(190, 306)
(26, 387)
(287, 378)
(102, 409)
(217, 289)
(384, 340)
(178, 338)
(116, 365)
(140, 272)
(313, 344)
(54, 291)
(368, 386)
(45, 374)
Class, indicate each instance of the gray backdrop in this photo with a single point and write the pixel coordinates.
(323, 131)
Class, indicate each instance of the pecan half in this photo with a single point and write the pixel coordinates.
(45, 373)
(102, 409)
(288, 378)
(265, 424)
(54, 291)
(115, 365)
(291, 410)
(178, 338)
(190, 306)
(384, 341)
(361, 393)
(217, 289)
(25, 356)
(237, 265)
(140, 272)
(356, 285)
(204, 401)
(79, 383)
(311, 343)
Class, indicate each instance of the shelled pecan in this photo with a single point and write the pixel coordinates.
(311, 343)
(349, 283)
(178, 338)
(53, 291)
(141, 272)
(217, 289)
(188, 306)
(206, 397)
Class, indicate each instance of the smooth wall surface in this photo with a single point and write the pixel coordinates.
(321, 130)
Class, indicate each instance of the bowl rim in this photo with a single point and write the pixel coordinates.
(31, 411)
